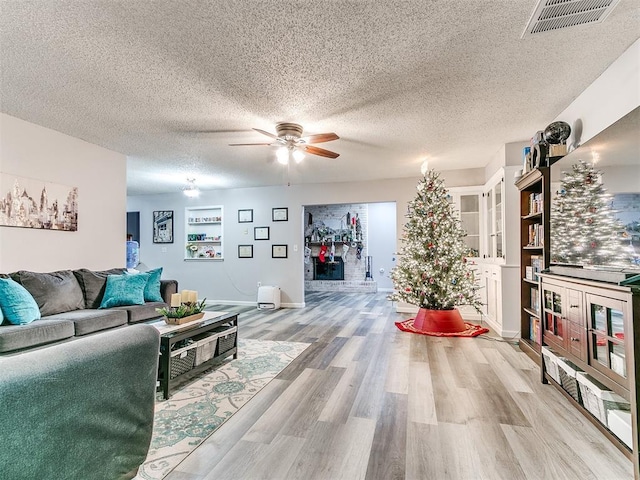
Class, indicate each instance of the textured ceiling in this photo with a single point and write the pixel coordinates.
(172, 83)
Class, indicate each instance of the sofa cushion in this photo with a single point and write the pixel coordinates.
(124, 290)
(16, 337)
(54, 292)
(140, 313)
(17, 304)
(93, 284)
(89, 321)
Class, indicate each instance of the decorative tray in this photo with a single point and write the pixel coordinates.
(180, 321)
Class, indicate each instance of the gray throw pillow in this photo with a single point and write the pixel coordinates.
(55, 292)
(93, 284)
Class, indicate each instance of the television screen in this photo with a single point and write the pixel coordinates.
(595, 204)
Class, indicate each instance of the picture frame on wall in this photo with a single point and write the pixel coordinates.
(245, 215)
(245, 251)
(261, 233)
(163, 226)
(278, 251)
(280, 214)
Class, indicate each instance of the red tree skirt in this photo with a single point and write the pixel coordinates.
(471, 330)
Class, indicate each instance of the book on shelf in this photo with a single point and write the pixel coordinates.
(536, 235)
(535, 334)
(528, 272)
(535, 203)
(535, 300)
(536, 266)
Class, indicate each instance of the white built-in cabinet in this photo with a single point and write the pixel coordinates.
(494, 226)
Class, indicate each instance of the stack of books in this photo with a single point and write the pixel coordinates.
(535, 203)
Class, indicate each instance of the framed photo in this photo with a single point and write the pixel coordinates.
(245, 216)
(278, 251)
(245, 251)
(280, 214)
(163, 226)
(261, 233)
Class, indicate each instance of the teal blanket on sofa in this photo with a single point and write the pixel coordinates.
(81, 409)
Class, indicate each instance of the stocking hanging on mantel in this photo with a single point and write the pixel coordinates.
(323, 252)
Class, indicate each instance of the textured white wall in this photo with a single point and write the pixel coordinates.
(28, 150)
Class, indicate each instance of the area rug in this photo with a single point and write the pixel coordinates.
(196, 410)
(471, 330)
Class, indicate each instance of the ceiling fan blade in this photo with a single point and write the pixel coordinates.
(266, 133)
(320, 151)
(320, 137)
(246, 144)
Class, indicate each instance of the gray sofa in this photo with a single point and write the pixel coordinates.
(80, 410)
(78, 385)
(68, 302)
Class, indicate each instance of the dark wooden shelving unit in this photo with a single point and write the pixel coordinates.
(538, 182)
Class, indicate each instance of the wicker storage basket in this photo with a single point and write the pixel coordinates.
(181, 363)
(598, 399)
(568, 371)
(551, 363)
(227, 341)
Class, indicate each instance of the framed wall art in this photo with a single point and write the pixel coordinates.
(245, 251)
(280, 214)
(163, 226)
(30, 203)
(278, 251)
(245, 216)
(261, 233)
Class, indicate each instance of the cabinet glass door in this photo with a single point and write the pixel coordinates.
(498, 219)
(553, 319)
(606, 335)
(470, 220)
(490, 244)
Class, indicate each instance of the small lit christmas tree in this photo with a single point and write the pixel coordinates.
(432, 270)
(584, 229)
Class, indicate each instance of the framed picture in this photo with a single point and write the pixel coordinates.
(245, 216)
(278, 251)
(280, 214)
(245, 251)
(261, 233)
(163, 226)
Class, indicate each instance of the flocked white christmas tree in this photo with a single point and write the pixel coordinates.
(432, 270)
(584, 228)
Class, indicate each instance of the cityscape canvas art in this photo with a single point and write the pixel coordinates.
(31, 203)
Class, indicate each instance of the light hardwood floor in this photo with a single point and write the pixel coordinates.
(367, 401)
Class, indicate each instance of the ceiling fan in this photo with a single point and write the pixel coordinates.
(291, 142)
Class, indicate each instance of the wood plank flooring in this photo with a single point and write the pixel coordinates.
(367, 401)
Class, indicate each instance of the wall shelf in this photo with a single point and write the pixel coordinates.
(206, 223)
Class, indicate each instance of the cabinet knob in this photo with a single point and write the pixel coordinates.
(575, 339)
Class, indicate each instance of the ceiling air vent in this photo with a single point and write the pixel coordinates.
(555, 14)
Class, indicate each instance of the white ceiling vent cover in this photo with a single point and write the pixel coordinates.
(555, 14)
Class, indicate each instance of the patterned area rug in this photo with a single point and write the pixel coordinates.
(196, 410)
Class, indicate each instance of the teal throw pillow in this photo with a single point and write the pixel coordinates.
(17, 304)
(152, 288)
(122, 290)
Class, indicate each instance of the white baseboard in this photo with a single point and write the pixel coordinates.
(251, 304)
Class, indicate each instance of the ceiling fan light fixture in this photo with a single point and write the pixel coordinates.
(298, 156)
(283, 155)
(191, 190)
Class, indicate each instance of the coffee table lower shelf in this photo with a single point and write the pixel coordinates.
(182, 360)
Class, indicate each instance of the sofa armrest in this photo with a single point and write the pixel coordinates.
(167, 288)
(82, 409)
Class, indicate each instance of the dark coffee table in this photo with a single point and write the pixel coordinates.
(178, 360)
